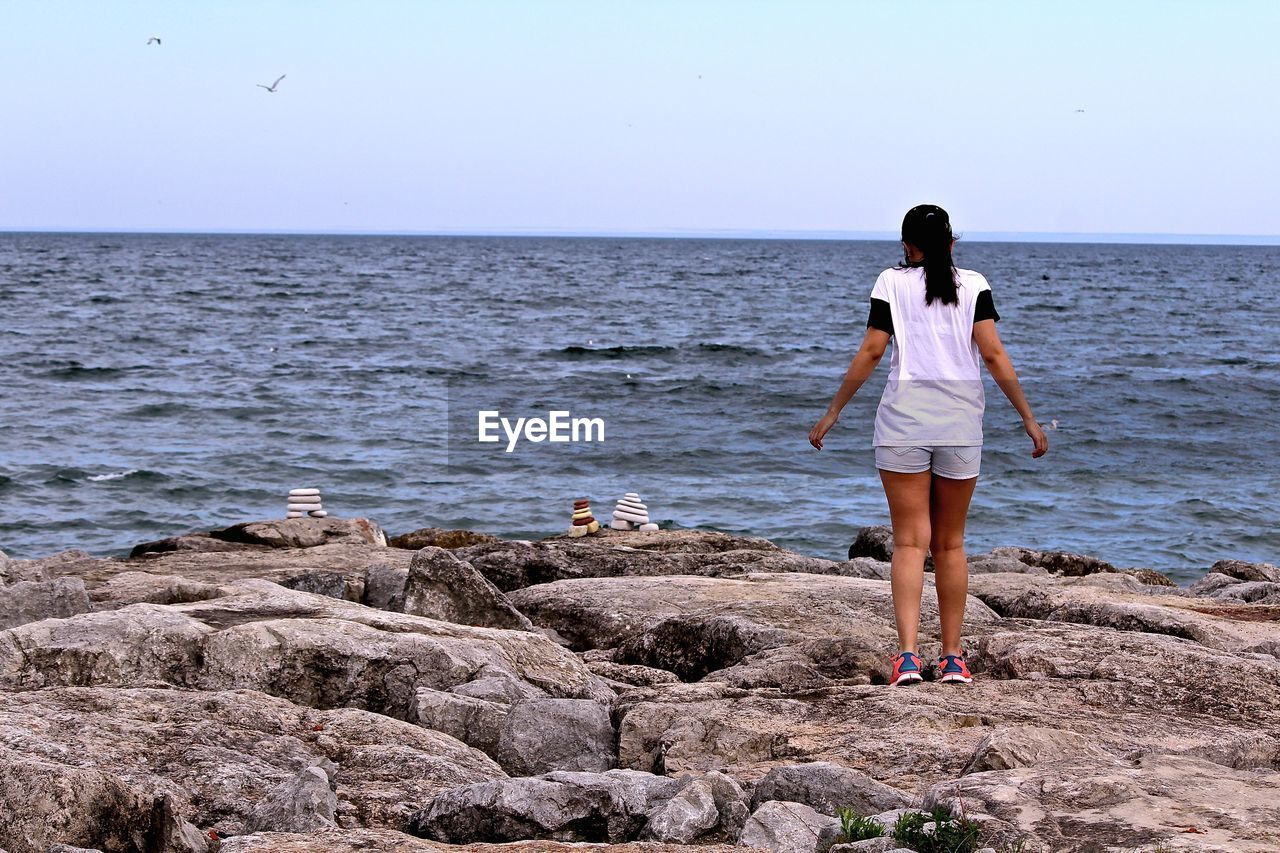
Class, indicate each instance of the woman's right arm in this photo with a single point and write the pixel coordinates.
(1001, 368)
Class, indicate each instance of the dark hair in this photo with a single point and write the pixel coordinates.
(928, 228)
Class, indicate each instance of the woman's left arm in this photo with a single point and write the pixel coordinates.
(860, 369)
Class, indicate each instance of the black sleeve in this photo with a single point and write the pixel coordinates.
(880, 317)
(985, 309)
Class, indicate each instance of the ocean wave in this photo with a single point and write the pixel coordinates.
(631, 351)
(76, 370)
(158, 410)
(111, 475)
(132, 474)
(577, 351)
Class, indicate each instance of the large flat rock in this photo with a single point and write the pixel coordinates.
(363, 841)
(514, 565)
(311, 649)
(339, 570)
(755, 629)
(1120, 601)
(1127, 694)
(213, 754)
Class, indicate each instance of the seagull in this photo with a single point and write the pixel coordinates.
(272, 87)
(153, 39)
(1079, 111)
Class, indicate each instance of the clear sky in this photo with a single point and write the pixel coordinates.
(664, 115)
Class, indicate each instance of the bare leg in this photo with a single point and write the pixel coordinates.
(908, 496)
(948, 508)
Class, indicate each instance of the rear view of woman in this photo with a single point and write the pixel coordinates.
(928, 429)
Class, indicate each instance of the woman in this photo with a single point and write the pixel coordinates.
(928, 430)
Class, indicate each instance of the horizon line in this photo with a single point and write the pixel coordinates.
(1127, 237)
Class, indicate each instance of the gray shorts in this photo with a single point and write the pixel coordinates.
(952, 462)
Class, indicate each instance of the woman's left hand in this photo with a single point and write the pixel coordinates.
(822, 427)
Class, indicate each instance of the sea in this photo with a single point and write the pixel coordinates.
(153, 384)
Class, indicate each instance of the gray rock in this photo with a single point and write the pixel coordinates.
(517, 565)
(330, 584)
(731, 802)
(498, 688)
(314, 650)
(828, 788)
(31, 601)
(685, 816)
(866, 567)
(695, 645)
(1025, 746)
(48, 804)
(428, 537)
(875, 542)
(144, 587)
(198, 542)
(541, 735)
(301, 804)
(441, 586)
(631, 673)
(1058, 562)
(1081, 805)
(883, 844)
(667, 541)
(74, 563)
(653, 788)
(1114, 601)
(352, 561)
(988, 563)
(475, 722)
(1247, 571)
(558, 806)
(67, 848)
(303, 532)
(1213, 585)
(788, 828)
(1151, 577)
(384, 586)
(104, 753)
(360, 840)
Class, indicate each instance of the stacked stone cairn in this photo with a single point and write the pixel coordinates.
(304, 502)
(583, 523)
(630, 514)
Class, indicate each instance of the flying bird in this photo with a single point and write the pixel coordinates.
(1079, 111)
(153, 40)
(272, 87)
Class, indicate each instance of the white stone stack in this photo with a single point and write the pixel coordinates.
(304, 502)
(630, 514)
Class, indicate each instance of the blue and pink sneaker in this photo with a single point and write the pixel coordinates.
(906, 670)
(953, 670)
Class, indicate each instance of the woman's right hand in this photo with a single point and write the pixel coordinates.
(1037, 437)
(822, 427)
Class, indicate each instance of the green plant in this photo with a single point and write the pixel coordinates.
(855, 827)
(949, 835)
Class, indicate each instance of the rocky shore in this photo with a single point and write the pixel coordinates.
(310, 685)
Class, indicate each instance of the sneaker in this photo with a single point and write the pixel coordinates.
(953, 669)
(906, 670)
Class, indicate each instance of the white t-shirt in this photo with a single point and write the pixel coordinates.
(934, 394)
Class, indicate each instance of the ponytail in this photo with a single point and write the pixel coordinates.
(928, 228)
